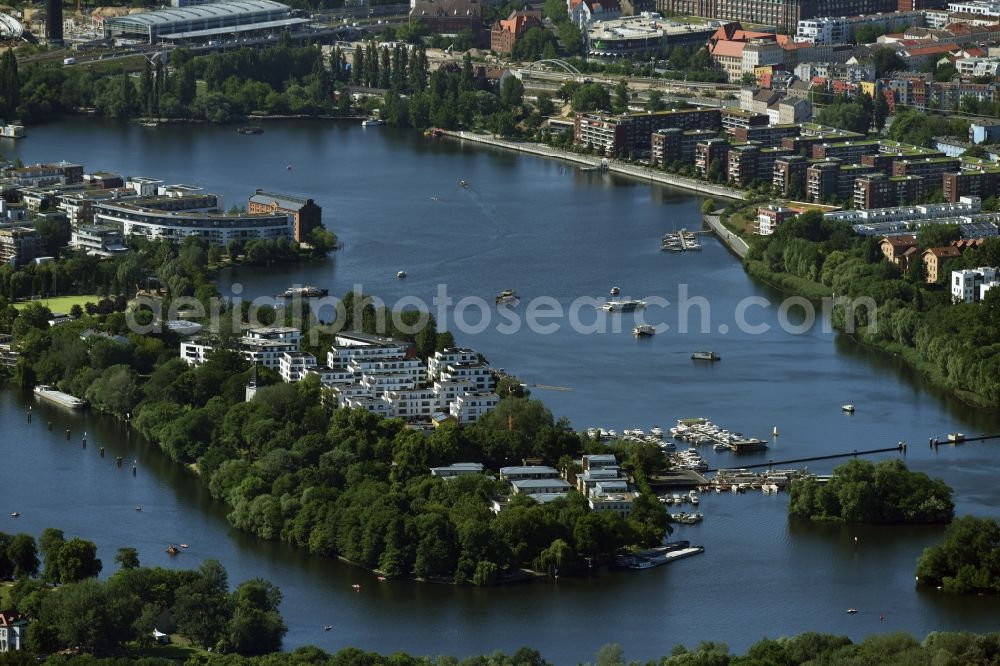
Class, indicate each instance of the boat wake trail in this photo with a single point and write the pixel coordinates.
(488, 211)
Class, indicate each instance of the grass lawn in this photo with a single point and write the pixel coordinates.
(178, 649)
(62, 303)
(5, 594)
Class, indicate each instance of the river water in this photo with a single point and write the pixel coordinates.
(547, 230)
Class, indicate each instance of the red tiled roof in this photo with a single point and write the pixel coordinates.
(944, 252)
(900, 241)
(931, 50)
(727, 48)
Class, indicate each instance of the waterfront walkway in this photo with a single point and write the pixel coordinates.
(614, 166)
(732, 241)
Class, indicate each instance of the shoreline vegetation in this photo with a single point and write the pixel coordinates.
(885, 649)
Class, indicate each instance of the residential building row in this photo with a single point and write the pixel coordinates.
(378, 374)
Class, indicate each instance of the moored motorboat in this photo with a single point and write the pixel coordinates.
(371, 122)
(643, 331)
(705, 356)
(507, 296)
(624, 305)
(848, 408)
(615, 291)
(401, 274)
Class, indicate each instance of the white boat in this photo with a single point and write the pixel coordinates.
(58, 397)
(706, 356)
(306, 291)
(401, 274)
(656, 431)
(371, 122)
(612, 433)
(643, 330)
(848, 408)
(615, 291)
(624, 305)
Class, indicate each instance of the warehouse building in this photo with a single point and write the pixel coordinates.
(203, 23)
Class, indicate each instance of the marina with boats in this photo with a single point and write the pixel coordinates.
(679, 241)
(702, 431)
(654, 557)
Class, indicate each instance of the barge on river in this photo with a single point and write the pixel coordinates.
(46, 392)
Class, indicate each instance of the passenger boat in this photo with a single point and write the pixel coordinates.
(401, 274)
(625, 305)
(706, 356)
(251, 129)
(507, 296)
(58, 397)
(848, 408)
(643, 330)
(371, 122)
(305, 292)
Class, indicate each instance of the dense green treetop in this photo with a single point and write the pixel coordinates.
(865, 492)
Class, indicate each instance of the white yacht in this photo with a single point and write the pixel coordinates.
(624, 305)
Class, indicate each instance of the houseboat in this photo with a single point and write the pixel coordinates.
(12, 131)
(706, 356)
(46, 392)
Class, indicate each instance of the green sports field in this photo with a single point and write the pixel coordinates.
(62, 303)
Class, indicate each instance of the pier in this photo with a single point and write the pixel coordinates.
(899, 448)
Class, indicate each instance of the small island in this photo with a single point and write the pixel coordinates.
(967, 561)
(865, 492)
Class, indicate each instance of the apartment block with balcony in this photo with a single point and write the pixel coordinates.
(880, 191)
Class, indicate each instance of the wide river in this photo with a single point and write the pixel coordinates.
(547, 230)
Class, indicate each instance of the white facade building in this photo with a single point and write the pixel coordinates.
(477, 373)
(442, 359)
(469, 407)
(294, 365)
(969, 286)
(267, 351)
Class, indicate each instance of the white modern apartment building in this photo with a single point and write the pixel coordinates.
(380, 374)
(175, 218)
(975, 7)
(293, 366)
(477, 373)
(840, 29)
(964, 206)
(970, 286)
(469, 407)
(441, 359)
(264, 346)
(98, 241)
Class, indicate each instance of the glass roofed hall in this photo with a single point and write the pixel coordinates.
(152, 26)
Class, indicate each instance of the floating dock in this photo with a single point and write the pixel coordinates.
(681, 241)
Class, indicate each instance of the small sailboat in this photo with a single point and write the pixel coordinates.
(138, 507)
(15, 514)
(774, 433)
(852, 611)
(328, 627)
(184, 545)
